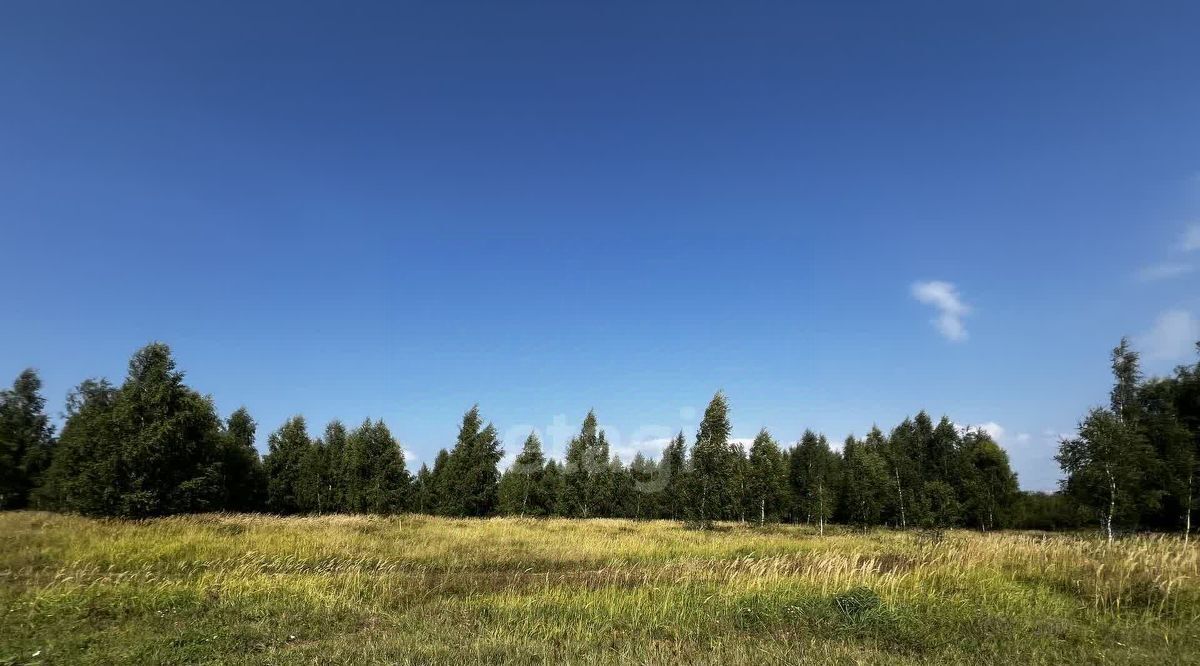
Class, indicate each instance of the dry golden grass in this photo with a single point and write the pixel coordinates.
(415, 589)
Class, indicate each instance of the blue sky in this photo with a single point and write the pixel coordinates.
(839, 213)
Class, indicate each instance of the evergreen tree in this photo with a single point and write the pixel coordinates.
(767, 477)
(288, 446)
(673, 469)
(439, 484)
(170, 440)
(245, 478)
(472, 477)
(586, 464)
(709, 496)
(153, 447)
(26, 439)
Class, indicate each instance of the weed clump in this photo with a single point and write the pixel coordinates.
(855, 602)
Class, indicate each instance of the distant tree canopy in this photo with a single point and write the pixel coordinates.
(153, 446)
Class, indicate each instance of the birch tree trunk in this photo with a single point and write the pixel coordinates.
(1187, 517)
(1112, 502)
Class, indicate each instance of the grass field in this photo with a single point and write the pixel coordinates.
(243, 589)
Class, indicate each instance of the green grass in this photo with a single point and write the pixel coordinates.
(239, 589)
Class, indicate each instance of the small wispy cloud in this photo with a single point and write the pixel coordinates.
(1191, 239)
(1172, 338)
(1188, 242)
(1164, 271)
(951, 309)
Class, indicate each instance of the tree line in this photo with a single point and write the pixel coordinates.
(153, 446)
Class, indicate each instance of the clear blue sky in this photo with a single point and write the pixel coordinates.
(398, 210)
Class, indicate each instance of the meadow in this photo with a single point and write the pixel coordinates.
(256, 589)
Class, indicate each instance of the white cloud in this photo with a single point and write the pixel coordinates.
(650, 448)
(1164, 271)
(996, 432)
(1191, 239)
(1189, 242)
(1173, 337)
(993, 429)
(951, 309)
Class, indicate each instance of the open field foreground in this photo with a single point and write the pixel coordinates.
(244, 589)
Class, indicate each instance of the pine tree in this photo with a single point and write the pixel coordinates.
(26, 439)
(709, 496)
(288, 447)
(767, 477)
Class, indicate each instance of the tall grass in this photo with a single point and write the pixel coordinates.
(415, 589)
